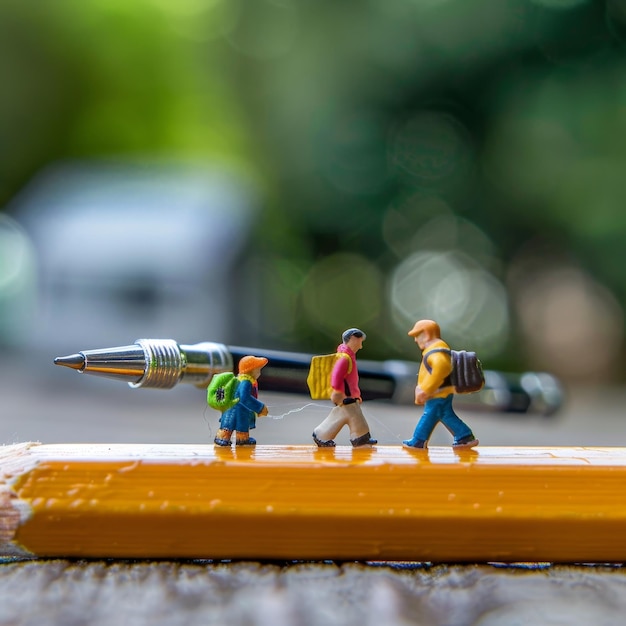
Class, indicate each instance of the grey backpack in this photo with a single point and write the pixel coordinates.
(467, 371)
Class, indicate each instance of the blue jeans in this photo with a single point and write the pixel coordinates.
(440, 410)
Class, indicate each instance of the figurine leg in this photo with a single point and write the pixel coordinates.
(426, 424)
(359, 430)
(244, 439)
(463, 436)
(329, 428)
(222, 438)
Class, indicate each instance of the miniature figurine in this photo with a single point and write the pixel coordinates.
(434, 389)
(346, 395)
(240, 412)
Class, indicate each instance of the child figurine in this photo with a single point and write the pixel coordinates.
(241, 415)
(346, 395)
(435, 391)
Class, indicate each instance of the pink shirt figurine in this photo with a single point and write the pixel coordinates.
(346, 396)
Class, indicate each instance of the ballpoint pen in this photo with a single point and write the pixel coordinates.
(163, 363)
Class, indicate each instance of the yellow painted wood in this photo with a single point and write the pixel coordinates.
(301, 502)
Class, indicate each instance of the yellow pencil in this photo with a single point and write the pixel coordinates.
(301, 502)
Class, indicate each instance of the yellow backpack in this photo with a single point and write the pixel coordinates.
(321, 368)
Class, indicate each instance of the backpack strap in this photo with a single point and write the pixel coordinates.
(446, 382)
(343, 355)
(427, 354)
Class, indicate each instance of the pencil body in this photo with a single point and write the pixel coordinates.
(299, 502)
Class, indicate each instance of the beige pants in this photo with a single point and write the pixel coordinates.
(341, 415)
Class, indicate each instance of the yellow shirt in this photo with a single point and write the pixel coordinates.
(440, 365)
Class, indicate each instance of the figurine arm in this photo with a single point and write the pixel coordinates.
(440, 366)
(337, 380)
(339, 372)
(247, 400)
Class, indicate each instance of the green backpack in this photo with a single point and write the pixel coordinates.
(220, 394)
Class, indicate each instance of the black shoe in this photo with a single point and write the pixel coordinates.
(323, 444)
(363, 440)
(221, 442)
(466, 442)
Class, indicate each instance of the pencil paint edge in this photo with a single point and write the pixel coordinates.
(14, 461)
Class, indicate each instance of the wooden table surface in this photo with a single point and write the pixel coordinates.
(311, 594)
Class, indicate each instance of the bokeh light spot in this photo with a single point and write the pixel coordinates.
(571, 324)
(16, 256)
(468, 302)
(352, 152)
(559, 4)
(342, 290)
(431, 149)
(266, 30)
(428, 223)
(276, 312)
(18, 281)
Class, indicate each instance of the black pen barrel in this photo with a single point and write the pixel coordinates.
(163, 363)
(288, 371)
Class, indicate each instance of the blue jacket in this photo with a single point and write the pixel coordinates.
(242, 416)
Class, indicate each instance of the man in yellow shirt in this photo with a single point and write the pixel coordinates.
(434, 389)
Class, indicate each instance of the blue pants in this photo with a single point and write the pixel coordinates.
(440, 410)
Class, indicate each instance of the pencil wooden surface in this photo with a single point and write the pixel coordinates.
(301, 502)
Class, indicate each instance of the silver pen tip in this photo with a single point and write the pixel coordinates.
(75, 361)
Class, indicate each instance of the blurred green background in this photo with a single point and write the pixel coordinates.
(461, 160)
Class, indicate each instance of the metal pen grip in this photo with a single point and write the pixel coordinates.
(167, 363)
